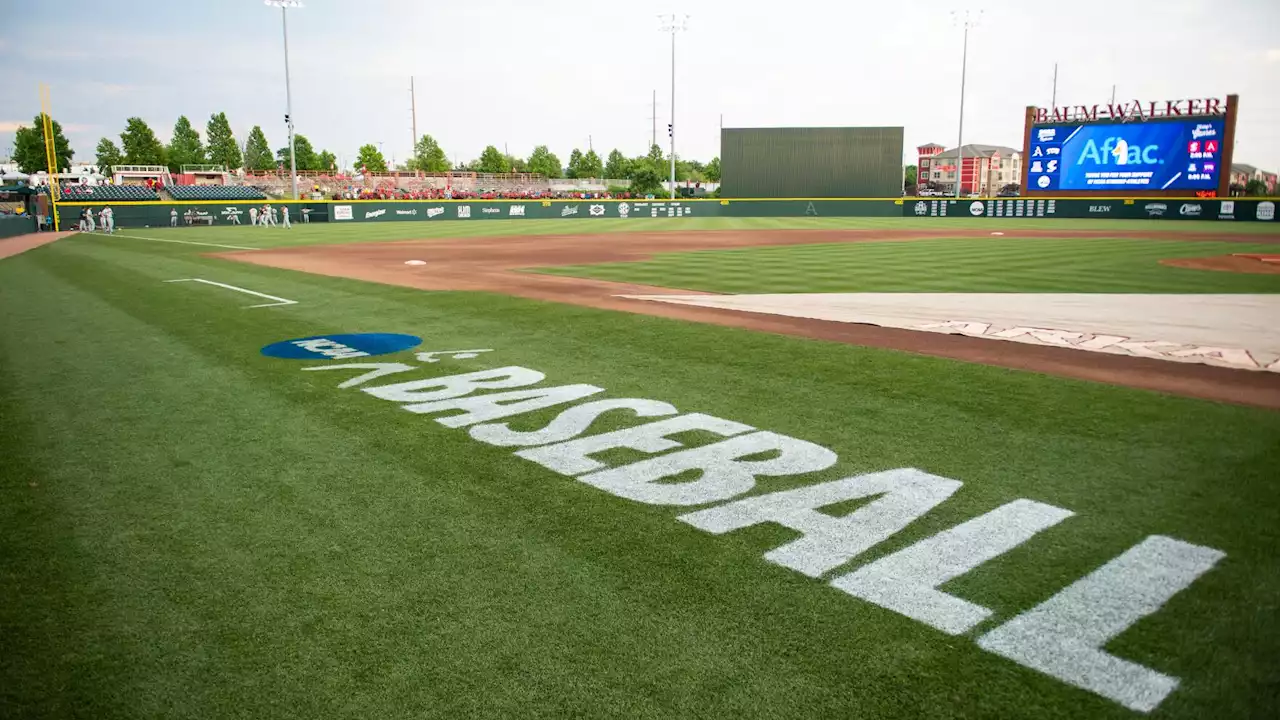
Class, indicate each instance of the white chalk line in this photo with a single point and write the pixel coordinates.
(180, 242)
(279, 300)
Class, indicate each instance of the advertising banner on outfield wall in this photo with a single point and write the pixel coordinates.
(1231, 210)
(207, 214)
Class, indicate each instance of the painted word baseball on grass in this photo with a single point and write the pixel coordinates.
(1063, 637)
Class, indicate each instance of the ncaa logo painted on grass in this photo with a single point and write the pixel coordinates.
(341, 347)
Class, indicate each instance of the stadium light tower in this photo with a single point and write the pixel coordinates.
(284, 6)
(673, 24)
(968, 20)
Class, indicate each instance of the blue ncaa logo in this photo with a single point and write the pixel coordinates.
(341, 347)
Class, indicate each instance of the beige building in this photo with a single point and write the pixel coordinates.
(987, 168)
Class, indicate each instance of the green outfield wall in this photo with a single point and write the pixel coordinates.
(157, 214)
(830, 162)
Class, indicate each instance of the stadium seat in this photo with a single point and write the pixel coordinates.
(215, 192)
(106, 193)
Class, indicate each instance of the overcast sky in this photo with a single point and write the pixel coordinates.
(520, 73)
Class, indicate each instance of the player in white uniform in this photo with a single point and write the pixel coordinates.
(88, 218)
(109, 219)
(284, 212)
(273, 216)
(235, 218)
(253, 215)
(173, 217)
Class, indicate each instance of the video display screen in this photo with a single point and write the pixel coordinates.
(1153, 155)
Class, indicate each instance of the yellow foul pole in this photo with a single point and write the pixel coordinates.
(50, 152)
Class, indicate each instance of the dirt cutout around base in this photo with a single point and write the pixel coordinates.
(493, 264)
(1249, 264)
(21, 243)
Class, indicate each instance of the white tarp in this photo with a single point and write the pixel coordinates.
(1236, 331)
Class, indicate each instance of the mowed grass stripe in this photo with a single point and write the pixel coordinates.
(947, 265)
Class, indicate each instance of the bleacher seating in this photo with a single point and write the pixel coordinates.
(105, 193)
(214, 192)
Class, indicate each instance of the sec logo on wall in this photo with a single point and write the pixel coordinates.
(343, 346)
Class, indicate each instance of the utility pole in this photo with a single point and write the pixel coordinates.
(654, 117)
(413, 110)
(1053, 99)
(674, 24)
(284, 6)
(969, 21)
(1113, 94)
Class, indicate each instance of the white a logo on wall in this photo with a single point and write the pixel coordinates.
(464, 211)
(1266, 210)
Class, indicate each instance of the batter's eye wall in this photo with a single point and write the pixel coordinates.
(840, 162)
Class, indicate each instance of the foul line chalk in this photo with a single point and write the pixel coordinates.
(180, 242)
(279, 300)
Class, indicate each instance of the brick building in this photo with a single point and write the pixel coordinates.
(986, 168)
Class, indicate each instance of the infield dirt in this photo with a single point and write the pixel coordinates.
(493, 265)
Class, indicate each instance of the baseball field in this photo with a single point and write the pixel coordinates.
(775, 468)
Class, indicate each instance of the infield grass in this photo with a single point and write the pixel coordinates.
(190, 529)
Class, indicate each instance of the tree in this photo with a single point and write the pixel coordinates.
(141, 147)
(185, 147)
(304, 155)
(910, 175)
(326, 161)
(108, 155)
(590, 167)
(544, 162)
(492, 161)
(712, 170)
(28, 147)
(223, 148)
(257, 153)
(368, 158)
(428, 156)
(618, 166)
(575, 163)
(516, 164)
(1255, 187)
(690, 170)
(655, 157)
(645, 179)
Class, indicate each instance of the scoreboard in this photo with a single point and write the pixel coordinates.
(1122, 157)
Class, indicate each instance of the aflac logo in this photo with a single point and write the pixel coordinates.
(341, 347)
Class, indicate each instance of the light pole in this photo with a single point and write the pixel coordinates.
(968, 20)
(284, 6)
(673, 24)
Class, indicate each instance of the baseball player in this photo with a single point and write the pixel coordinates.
(88, 218)
(173, 217)
(235, 218)
(253, 215)
(284, 212)
(109, 219)
(272, 215)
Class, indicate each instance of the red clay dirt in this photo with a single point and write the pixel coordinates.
(21, 243)
(492, 264)
(1249, 264)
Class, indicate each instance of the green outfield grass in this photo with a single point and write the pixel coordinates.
(325, 233)
(952, 265)
(191, 529)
